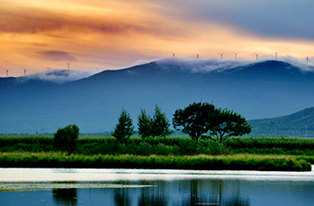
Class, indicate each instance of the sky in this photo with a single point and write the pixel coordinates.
(37, 35)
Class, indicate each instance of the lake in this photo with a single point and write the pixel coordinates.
(51, 187)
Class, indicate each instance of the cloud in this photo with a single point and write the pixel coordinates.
(29, 19)
(60, 76)
(57, 56)
(201, 65)
(213, 64)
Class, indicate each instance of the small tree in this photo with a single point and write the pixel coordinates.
(144, 124)
(124, 129)
(199, 119)
(194, 119)
(228, 123)
(160, 124)
(66, 138)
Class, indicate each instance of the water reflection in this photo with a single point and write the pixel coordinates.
(163, 193)
(65, 197)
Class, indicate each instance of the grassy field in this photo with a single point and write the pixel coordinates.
(283, 154)
(200, 162)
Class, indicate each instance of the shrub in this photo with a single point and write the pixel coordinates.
(66, 138)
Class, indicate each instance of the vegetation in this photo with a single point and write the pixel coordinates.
(242, 162)
(124, 129)
(66, 138)
(204, 120)
(88, 148)
(144, 124)
(299, 124)
(194, 119)
(226, 123)
(160, 124)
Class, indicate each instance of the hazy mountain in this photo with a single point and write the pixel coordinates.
(255, 90)
(299, 124)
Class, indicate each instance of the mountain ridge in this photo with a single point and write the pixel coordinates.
(94, 103)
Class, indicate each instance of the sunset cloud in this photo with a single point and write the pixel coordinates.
(57, 56)
(110, 34)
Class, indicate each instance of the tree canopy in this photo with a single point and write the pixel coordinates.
(124, 129)
(203, 119)
(227, 123)
(66, 138)
(144, 124)
(194, 119)
(160, 124)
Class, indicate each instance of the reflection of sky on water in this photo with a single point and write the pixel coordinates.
(154, 187)
(68, 175)
(173, 193)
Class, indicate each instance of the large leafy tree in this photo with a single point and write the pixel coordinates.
(227, 123)
(124, 129)
(145, 123)
(194, 119)
(66, 138)
(160, 124)
(201, 119)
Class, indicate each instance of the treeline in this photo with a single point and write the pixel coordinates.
(165, 146)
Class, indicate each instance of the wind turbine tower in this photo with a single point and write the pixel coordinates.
(173, 54)
(197, 56)
(68, 66)
(256, 57)
(7, 71)
(276, 55)
(307, 59)
(221, 56)
(236, 56)
(24, 72)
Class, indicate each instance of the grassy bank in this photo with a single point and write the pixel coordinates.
(201, 162)
(165, 146)
(172, 152)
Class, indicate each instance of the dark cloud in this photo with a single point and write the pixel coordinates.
(60, 25)
(57, 56)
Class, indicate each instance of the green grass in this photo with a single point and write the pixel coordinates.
(259, 153)
(200, 162)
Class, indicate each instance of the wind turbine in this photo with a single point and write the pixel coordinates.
(221, 56)
(197, 56)
(24, 72)
(68, 66)
(307, 59)
(256, 57)
(276, 55)
(7, 71)
(236, 56)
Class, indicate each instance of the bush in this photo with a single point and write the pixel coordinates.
(66, 138)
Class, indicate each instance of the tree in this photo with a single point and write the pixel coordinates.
(194, 119)
(66, 138)
(201, 119)
(226, 124)
(124, 129)
(160, 124)
(144, 124)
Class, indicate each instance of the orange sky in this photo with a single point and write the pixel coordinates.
(110, 34)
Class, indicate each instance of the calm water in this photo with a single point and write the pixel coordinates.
(154, 187)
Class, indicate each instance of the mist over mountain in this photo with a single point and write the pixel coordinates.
(255, 90)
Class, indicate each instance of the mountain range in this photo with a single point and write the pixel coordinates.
(264, 89)
(299, 124)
